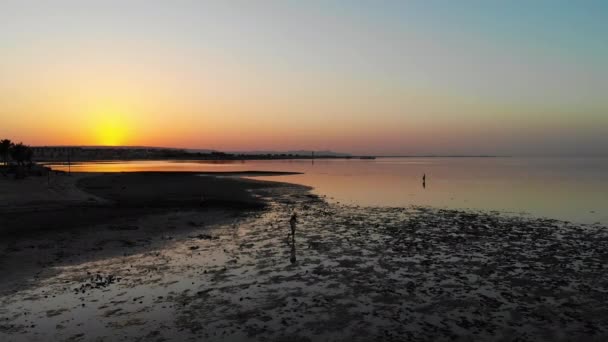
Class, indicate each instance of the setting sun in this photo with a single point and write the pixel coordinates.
(111, 130)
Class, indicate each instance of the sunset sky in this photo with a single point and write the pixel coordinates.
(366, 77)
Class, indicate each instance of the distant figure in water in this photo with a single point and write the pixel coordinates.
(424, 181)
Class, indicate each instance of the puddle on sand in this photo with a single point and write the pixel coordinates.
(360, 274)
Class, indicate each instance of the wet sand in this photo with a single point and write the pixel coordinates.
(83, 199)
(224, 273)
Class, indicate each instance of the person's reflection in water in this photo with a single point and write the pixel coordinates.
(292, 222)
(293, 252)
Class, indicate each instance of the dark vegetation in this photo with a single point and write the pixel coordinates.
(17, 159)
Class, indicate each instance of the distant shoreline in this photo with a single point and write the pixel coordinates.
(73, 154)
(249, 158)
(193, 157)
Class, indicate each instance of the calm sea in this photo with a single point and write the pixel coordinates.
(573, 189)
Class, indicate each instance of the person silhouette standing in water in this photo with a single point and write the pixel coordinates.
(292, 222)
(424, 181)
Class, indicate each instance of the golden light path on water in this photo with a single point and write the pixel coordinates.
(574, 189)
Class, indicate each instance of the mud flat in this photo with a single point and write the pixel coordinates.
(226, 274)
(80, 200)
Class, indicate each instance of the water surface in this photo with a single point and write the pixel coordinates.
(574, 189)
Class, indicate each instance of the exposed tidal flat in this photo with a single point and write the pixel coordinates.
(176, 256)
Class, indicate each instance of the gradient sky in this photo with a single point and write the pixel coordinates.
(366, 77)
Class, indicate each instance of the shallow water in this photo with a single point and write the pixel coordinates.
(574, 189)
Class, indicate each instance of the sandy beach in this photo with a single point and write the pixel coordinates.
(175, 256)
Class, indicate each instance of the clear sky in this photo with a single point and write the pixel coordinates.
(367, 77)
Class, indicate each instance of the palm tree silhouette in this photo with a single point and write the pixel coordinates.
(5, 147)
(19, 153)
